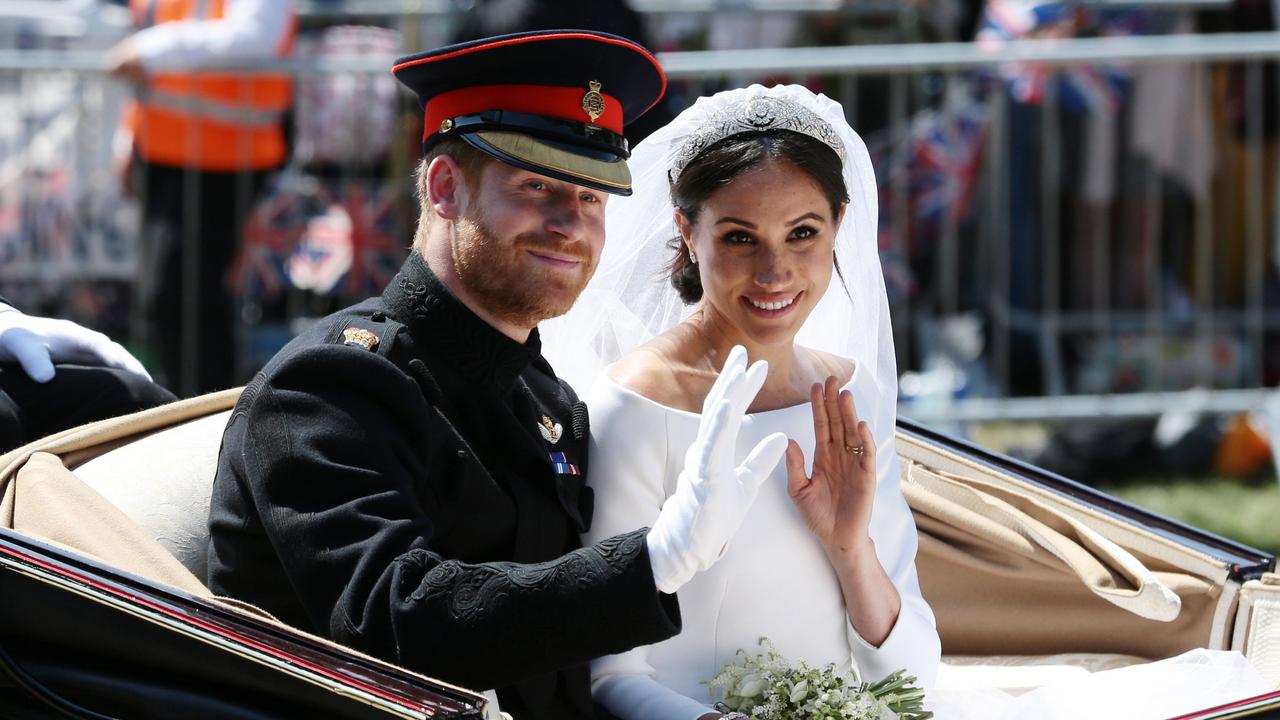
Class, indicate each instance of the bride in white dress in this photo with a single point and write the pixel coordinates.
(823, 565)
(770, 186)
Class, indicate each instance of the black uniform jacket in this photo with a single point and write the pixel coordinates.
(407, 480)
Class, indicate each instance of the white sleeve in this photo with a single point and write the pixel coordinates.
(913, 642)
(627, 475)
(250, 29)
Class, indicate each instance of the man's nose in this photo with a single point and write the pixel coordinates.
(565, 217)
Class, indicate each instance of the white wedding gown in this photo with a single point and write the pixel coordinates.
(1196, 680)
(774, 579)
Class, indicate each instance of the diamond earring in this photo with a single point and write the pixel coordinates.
(693, 258)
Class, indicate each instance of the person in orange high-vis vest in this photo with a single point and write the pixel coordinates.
(199, 139)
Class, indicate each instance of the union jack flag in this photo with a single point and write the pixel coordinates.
(1081, 87)
(377, 245)
(936, 164)
(270, 232)
(326, 238)
(937, 161)
(946, 155)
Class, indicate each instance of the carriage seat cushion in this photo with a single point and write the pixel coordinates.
(164, 482)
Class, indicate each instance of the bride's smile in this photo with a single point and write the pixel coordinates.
(772, 308)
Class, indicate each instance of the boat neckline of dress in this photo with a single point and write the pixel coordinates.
(857, 366)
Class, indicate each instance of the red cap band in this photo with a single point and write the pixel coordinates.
(565, 103)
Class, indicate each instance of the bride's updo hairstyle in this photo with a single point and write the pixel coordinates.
(716, 167)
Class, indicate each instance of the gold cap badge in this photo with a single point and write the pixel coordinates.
(593, 101)
(359, 337)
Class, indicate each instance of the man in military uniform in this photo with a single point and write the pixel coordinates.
(408, 477)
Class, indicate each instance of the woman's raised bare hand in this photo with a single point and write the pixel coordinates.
(835, 501)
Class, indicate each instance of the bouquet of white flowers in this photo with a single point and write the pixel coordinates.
(768, 687)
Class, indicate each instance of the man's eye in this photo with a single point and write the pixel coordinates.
(537, 185)
(588, 197)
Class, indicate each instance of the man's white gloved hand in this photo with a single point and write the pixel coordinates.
(36, 343)
(712, 496)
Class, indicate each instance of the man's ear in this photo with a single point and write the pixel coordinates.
(446, 188)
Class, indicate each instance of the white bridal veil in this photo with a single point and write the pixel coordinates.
(630, 300)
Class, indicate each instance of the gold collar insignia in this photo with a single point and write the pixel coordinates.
(360, 338)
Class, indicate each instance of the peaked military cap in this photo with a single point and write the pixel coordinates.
(551, 101)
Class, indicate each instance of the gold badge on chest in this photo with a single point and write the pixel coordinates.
(550, 429)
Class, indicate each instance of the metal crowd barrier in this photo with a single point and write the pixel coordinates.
(1126, 293)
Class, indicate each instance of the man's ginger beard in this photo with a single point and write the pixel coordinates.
(499, 275)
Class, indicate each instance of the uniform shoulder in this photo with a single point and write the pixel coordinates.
(353, 344)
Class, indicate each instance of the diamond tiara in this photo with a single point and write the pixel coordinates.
(756, 114)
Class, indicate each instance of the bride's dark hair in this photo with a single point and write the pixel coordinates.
(725, 160)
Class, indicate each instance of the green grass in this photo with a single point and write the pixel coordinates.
(1248, 513)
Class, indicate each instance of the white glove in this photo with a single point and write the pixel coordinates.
(36, 343)
(712, 496)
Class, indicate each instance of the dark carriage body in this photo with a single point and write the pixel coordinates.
(81, 639)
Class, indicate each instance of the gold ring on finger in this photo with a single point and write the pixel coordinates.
(855, 449)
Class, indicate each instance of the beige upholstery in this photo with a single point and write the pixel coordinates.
(163, 483)
(1257, 631)
(1021, 525)
(1012, 569)
(42, 498)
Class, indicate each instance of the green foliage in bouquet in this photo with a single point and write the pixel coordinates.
(768, 687)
